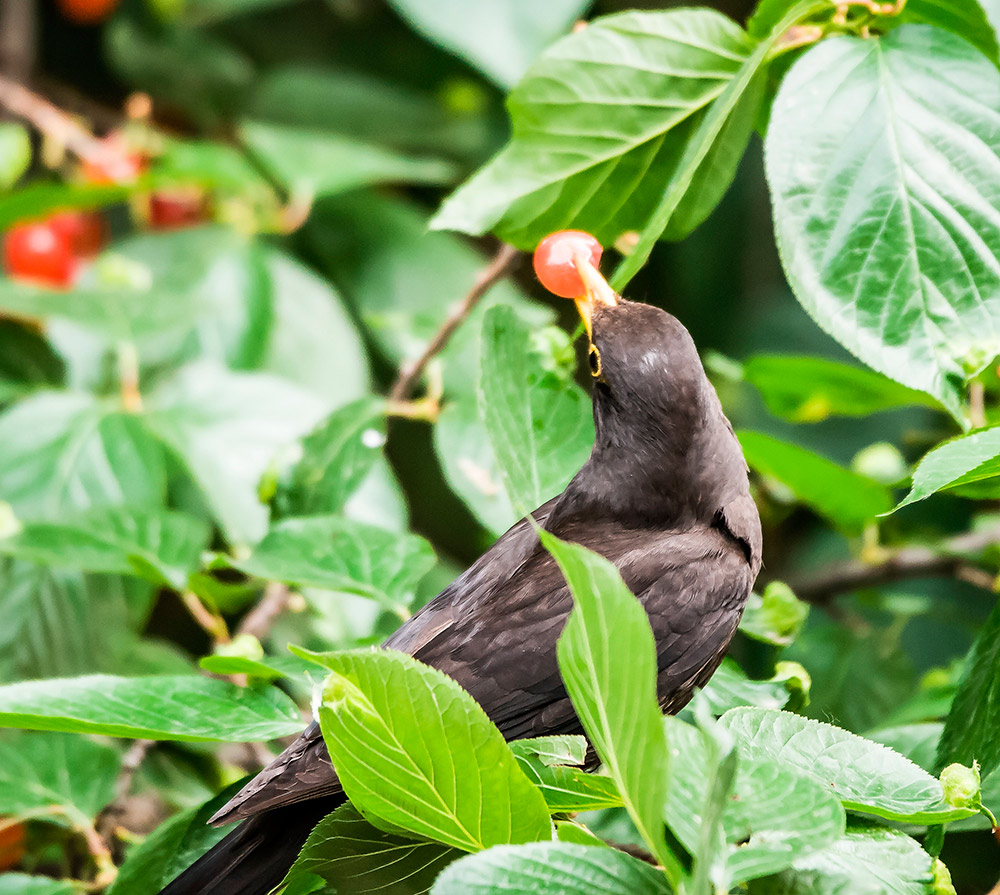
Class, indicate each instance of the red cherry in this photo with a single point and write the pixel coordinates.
(87, 12)
(172, 209)
(112, 163)
(555, 261)
(85, 231)
(39, 252)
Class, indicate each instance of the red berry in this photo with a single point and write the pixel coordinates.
(85, 231)
(87, 12)
(39, 252)
(112, 163)
(555, 261)
(169, 210)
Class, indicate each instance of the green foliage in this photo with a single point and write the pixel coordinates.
(615, 701)
(847, 499)
(628, 94)
(339, 554)
(970, 733)
(550, 868)
(207, 453)
(540, 428)
(414, 752)
(344, 849)
(892, 263)
(811, 389)
(169, 708)
(66, 779)
(865, 776)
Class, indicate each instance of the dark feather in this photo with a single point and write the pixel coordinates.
(664, 496)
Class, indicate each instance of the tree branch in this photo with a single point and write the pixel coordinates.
(946, 559)
(49, 119)
(410, 373)
(18, 27)
(258, 621)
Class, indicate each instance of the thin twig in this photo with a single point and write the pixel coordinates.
(945, 559)
(18, 26)
(977, 404)
(258, 621)
(49, 119)
(113, 811)
(211, 622)
(410, 373)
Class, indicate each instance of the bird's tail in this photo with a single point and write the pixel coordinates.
(254, 857)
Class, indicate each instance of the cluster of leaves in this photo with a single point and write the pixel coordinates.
(196, 423)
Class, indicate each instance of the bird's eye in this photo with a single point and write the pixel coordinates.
(594, 356)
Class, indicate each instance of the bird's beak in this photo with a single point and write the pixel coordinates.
(598, 291)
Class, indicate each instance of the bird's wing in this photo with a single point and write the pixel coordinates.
(495, 629)
(303, 771)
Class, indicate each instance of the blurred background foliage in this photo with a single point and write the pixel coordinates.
(266, 261)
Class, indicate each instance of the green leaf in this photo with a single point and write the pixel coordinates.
(40, 198)
(336, 457)
(551, 868)
(602, 124)
(859, 675)
(23, 884)
(501, 40)
(27, 362)
(191, 69)
(415, 751)
(964, 460)
(73, 775)
(15, 153)
(313, 340)
(319, 163)
(347, 852)
(158, 707)
(554, 765)
(377, 110)
(215, 280)
(616, 701)
(773, 815)
(847, 499)
(334, 553)
(865, 776)
(776, 617)
(470, 466)
(868, 860)
(62, 622)
(970, 731)
(194, 292)
(171, 847)
(965, 18)
(811, 389)
(404, 281)
(226, 429)
(210, 165)
(540, 426)
(730, 687)
(66, 451)
(161, 545)
(889, 234)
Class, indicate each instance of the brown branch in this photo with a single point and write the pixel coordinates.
(258, 621)
(945, 559)
(49, 119)
(113, 811)
(18, 27)
(410, 373)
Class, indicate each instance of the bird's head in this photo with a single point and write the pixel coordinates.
(648, 378)
(659, 425)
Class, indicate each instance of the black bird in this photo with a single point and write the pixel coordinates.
(664, 496)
